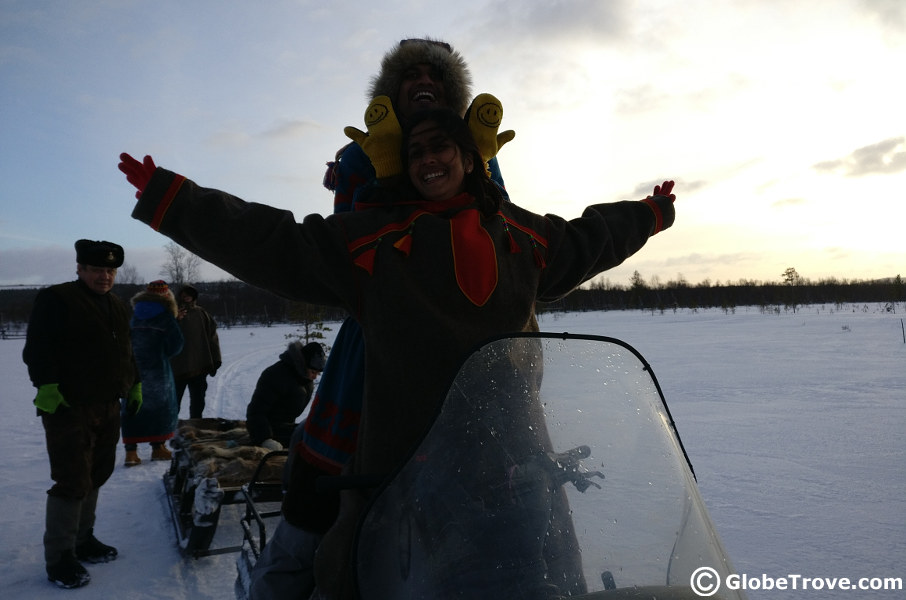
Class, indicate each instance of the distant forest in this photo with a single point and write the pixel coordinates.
(234, 303)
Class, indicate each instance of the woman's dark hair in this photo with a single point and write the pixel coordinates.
(477, 183)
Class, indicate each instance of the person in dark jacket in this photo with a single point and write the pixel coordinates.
(156, 336)
(282, 393)
(200, 356)
(80, 359)
(440, 264)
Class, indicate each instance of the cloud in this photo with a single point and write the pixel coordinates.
(557, 20)
(48, 265)
(891, 14)
(683, 188)
(884, 158)
(784, 202)
(289, 129)
(283, 130)
(37, 266)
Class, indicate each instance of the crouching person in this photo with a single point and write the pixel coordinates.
(282, 393)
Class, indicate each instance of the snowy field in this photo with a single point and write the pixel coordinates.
(794, 424)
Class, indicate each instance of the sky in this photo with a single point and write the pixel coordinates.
(781, 122)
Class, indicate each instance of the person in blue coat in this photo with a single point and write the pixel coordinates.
(156, 337)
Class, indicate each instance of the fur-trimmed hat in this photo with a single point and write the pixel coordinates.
(99, 254)
(440, 55)
(155, 293)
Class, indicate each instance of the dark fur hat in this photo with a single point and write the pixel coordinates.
(99, 254)
(442, 56)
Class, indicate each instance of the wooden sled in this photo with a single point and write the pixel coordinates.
(214, 464)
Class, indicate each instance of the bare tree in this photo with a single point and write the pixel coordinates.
(181, 265)
(128, 274)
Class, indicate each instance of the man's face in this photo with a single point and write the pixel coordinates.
(186, 298)
(98, 279)
(422, 87)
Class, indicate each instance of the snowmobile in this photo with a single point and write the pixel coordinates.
(553, 469)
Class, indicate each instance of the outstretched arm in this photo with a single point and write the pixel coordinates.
(259, 244)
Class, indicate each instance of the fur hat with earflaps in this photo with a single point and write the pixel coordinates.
(99, 253)
(440, 55)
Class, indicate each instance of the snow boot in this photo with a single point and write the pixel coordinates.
(60, 534)
(94, 551)
(67, 572)
(132, 458)
(160, 452)
(87, 547)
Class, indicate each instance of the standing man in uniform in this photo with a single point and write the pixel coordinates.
(79, 357)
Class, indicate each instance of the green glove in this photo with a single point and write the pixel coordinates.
(134, 400)
(484, 116)
(49, 398)
(384, 139)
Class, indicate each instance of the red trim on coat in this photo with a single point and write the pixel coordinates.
(526, 230)
(165, 202)
(658, 217)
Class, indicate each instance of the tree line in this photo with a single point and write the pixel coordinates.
(234, 303)
(231, 303)
(790, 293)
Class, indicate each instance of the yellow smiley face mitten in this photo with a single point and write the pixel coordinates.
(384, 139)
(484, 117)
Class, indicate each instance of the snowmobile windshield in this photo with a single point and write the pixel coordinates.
(553, 469)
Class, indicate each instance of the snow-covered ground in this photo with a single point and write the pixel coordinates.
(794, 424)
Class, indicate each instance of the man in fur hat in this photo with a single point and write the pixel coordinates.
(417, 74)
(79, 356)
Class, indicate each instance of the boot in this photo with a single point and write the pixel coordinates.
(132, 458)
(67, 572)
(94, 551)
(160, 452)
(88, 548)
(60, 533)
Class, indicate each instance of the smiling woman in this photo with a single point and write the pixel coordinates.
(435, 165)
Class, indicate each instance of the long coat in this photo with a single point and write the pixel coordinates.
(156, 337)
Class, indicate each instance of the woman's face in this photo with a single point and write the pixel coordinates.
(436, 165)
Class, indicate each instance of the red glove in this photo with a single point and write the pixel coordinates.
(659, 190)
(139, 174)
